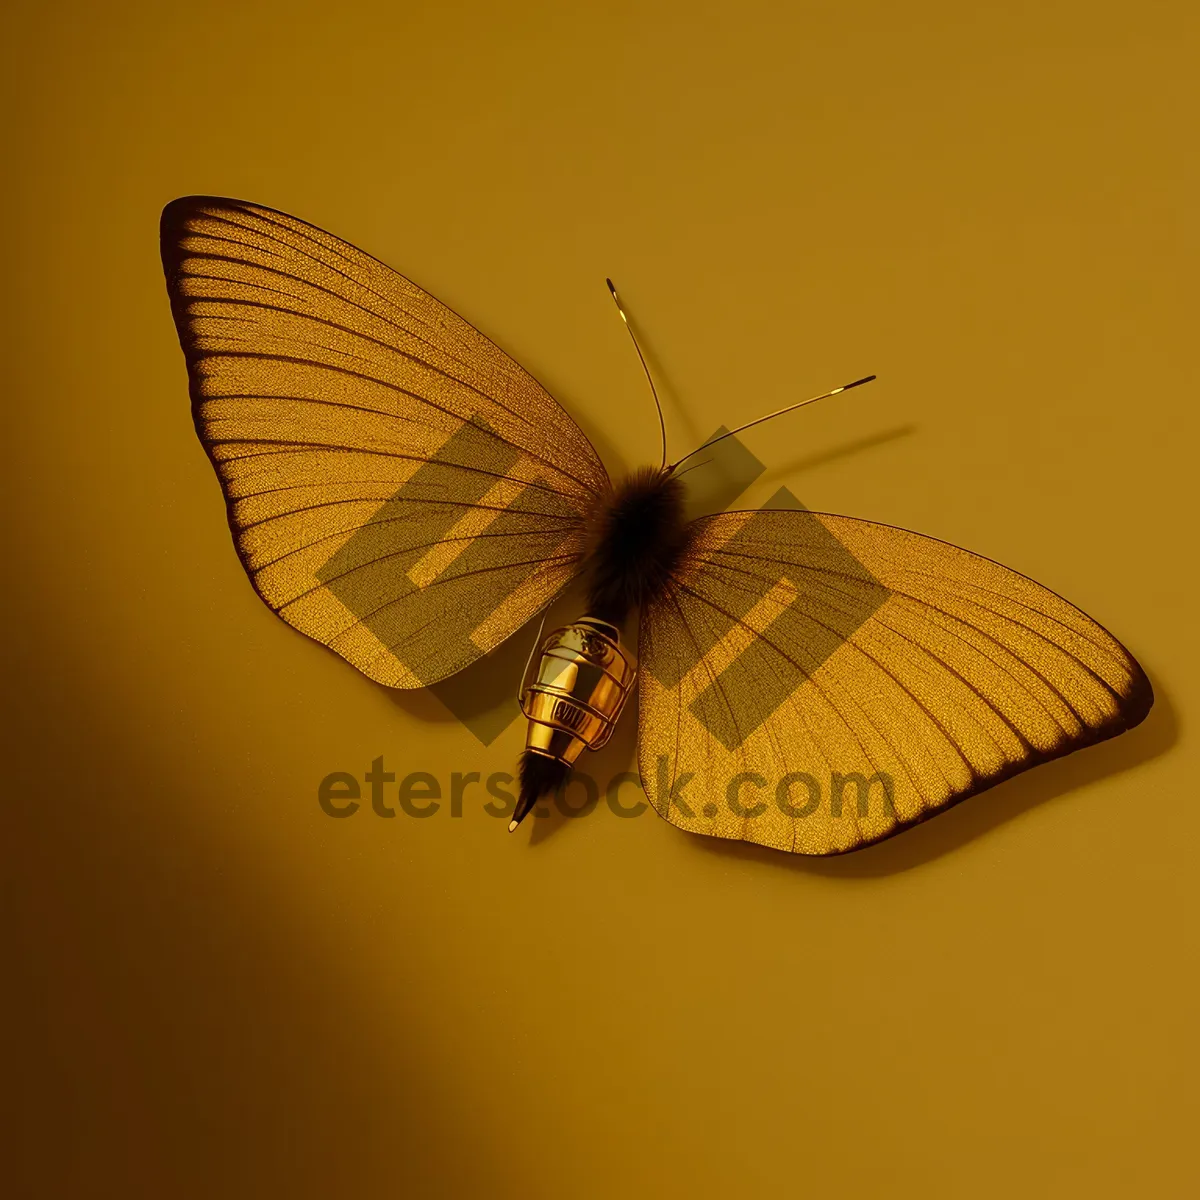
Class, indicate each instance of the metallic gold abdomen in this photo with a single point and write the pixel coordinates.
(584, 677)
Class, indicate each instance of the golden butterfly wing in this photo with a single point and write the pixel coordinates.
(815, 683)
(398, 488)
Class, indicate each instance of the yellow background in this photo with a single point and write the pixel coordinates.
(222, 991)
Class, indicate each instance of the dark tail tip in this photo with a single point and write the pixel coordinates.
(540, 776)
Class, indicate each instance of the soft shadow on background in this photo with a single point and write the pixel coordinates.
(197, 1033)
(790, 466)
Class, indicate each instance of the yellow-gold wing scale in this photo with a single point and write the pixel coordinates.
(398, 488)
(815, 683)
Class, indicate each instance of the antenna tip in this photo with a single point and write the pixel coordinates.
(859, 382)
(617, 302)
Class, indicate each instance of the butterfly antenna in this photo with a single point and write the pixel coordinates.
(770, 416)
(702, 463)
(662, 425)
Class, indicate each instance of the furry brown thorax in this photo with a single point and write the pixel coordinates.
(636, 538)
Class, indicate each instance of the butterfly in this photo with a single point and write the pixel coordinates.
(402, 491)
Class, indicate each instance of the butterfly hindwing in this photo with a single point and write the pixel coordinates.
(398, 488)
(816, 683)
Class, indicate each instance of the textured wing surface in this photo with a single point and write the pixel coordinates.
(398, 488)
(816, 683)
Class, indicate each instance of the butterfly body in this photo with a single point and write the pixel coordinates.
(402, 491)
(584, 675)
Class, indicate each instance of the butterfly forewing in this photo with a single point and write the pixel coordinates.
(398, 487)
(815, 683)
